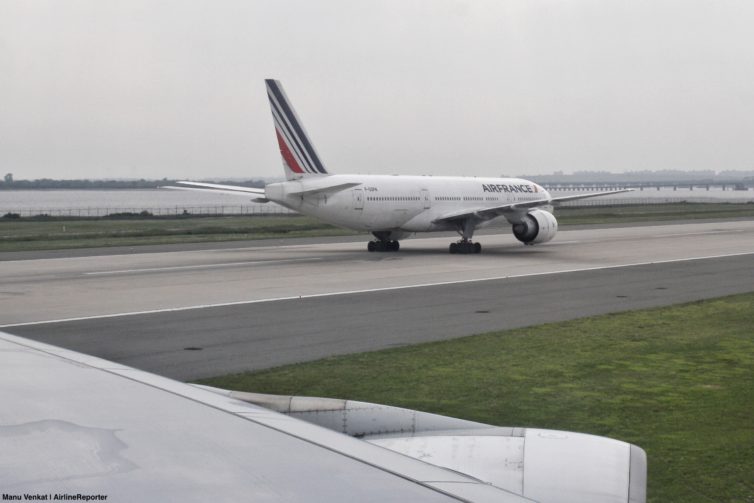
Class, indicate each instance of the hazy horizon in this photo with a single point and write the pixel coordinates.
(724, 176)
(175, 89)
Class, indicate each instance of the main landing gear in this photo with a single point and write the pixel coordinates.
(383, 246)
(466, 229)
(383, 243)
(465, 246)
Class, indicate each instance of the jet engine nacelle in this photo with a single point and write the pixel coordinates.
(535, 227)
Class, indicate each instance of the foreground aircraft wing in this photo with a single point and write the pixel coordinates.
(72, 424)
(487, 213)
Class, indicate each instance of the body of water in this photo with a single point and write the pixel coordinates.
(104, 202)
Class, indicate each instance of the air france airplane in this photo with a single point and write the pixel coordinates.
(395, 207)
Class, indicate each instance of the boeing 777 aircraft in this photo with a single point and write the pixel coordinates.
(394, 207)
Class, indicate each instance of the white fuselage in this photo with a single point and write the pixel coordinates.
(400, 203)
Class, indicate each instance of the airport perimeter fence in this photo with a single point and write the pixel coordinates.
(635, 201)
(271, 209)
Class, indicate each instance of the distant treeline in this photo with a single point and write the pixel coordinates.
(48, 183)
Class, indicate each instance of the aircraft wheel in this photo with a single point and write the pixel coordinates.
(477, 248)
(370, 246)
(453, 247)
(395, 246)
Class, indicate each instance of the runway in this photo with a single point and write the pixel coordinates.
(197, 313)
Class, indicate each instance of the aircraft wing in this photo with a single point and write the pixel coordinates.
(215, 187)
(73, 424)
(313, 187)
(222, 189)
(487, 213)
(574, 197)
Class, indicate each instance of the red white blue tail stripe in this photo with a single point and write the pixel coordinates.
(298, 153)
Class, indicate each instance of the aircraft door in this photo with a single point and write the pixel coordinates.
(358, 199)
(425, 199)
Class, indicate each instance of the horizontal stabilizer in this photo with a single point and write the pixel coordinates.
(325, 189)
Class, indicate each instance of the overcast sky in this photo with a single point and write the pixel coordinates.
(153, 89)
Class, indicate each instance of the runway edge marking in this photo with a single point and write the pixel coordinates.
(368, 290)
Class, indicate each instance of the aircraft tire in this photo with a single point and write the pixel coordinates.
(477, 248)
(370, 246)
(453, 248)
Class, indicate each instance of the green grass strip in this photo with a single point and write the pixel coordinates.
(47, 234)
(677, 381)
(651, 213)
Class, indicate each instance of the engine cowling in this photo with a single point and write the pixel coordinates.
(535, 227)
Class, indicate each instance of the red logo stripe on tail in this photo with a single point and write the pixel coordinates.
(286, 153)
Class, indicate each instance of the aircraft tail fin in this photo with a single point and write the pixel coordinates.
(299, 157)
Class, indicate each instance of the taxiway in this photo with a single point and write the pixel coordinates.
(202, 312)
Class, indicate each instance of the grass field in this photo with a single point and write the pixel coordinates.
(47, 234)
(61, 233)
(651, 212)
(677, 381)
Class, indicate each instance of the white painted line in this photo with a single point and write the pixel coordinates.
(370, 290)
(201, 266)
